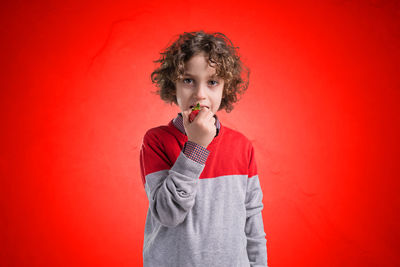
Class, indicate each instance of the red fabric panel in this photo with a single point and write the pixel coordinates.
(231, 153)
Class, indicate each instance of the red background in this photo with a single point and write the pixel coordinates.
(321, 110)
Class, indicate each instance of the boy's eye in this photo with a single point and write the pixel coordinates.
(191, 81)
(213, 82)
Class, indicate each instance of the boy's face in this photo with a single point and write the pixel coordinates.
(199, 85)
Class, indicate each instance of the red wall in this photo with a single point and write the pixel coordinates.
(322, 111)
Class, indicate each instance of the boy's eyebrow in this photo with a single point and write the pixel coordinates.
(213, 76)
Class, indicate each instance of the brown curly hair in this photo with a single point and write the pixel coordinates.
(220, 51)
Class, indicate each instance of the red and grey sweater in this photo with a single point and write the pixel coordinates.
(204, 204)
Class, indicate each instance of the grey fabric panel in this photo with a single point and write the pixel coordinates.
(213, 232)
(256, 241)
(171, 193)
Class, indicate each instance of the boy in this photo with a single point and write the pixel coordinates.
(200, 177)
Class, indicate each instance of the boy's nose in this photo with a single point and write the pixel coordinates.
(200, 92)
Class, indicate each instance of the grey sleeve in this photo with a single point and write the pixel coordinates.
(172, 192)
(254, 229)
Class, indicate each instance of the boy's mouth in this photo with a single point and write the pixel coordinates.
(200, 106)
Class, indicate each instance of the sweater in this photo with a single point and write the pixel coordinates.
(204, 203)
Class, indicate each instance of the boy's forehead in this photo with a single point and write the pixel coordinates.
(199, 64)
(194, 74)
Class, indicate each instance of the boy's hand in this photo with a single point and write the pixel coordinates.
(202, 129)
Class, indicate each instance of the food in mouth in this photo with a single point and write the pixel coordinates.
(195, 111)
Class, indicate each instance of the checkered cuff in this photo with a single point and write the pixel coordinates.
(196, 152)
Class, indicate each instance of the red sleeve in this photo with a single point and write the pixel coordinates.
(152, 156)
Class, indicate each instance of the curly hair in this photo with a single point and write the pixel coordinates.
(219, 50)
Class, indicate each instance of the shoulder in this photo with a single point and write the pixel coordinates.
(157, 132)
(234, 135)
(161, 134)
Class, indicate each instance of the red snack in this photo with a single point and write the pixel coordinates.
(195, 111)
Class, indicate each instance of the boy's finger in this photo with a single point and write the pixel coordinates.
(208, 115)
(204, 111)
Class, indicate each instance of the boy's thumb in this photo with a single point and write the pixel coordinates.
(185, 115)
